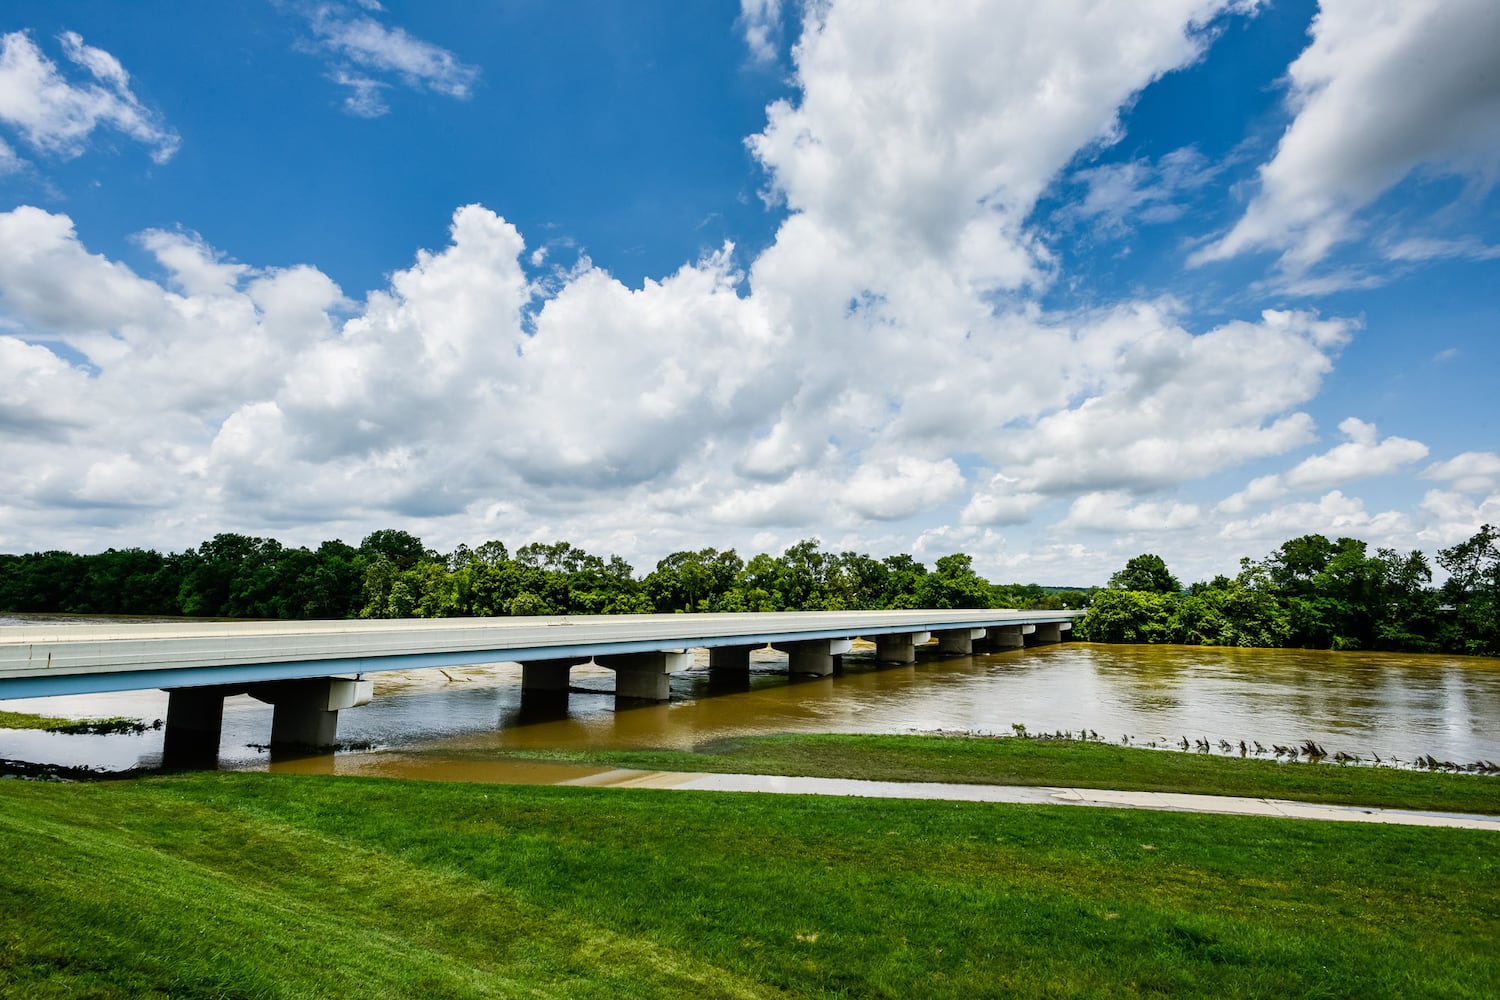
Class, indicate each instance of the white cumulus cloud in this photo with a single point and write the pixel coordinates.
(890, 489)
(1387, 89)
(842, 381)
(1334, 514)
(1362, 456)
(1470, 472)
(57, 116)
(1116, 511)
(1159, 406)
(928, 131)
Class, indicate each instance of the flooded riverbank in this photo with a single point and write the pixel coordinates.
(1365, 704)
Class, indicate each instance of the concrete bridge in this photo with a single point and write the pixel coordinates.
(310, 671)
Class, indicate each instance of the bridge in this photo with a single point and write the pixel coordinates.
(310, 671)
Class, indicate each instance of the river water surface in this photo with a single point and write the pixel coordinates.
(432, 724)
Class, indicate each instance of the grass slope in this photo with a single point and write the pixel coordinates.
(1012, 761)
(253, 885)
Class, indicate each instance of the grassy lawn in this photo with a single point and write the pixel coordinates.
(257, 885)
(1010, 761)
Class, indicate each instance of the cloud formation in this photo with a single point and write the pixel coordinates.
(361, 46)
(1470, 472)
(1388, 89)
(56, 116)
(760, 20)
(1118, 196)
(1362, 456)
(890, 360)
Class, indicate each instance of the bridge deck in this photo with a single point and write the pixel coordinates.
(46, 659)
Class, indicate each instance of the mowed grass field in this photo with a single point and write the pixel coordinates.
(258, 885)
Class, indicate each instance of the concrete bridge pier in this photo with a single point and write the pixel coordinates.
(306, 715)
(307, 711)
(645, 676)
(815, 657)
(730, 659)
(1001, 638)
(195, 724)
(544, 687)
(959, 641)
(1043, 634)
(729, 668)
(899, 647)
(547, 676)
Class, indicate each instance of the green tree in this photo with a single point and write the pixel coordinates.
(692, 581)
(855, 581)
(1409, 615)
(902, 582)
(230, 576)
(400, 547)
(1146, 572)
(527, 603)
(1225, 612)
(1293, 568)
(754, 586)
(1121, 615)
(127, 582)
(801, 576)
(953, 584)
(1473, 590)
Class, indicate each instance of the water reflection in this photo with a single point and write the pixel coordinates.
(1375, 703)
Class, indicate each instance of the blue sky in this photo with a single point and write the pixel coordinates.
(1050, 285)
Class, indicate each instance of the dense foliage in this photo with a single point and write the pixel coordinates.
(1315, 593)
(1310, 592)
(393, 575)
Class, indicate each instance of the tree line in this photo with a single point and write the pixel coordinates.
(1315, 593)
(1310, 592)
(392, 574)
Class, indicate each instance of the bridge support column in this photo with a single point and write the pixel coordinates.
(547, 676)
(1044, 634)
(195, 724)
(959, 641)
(730, 659)
(1002, 637)
(645, 676)
(729, 669)
(307, 711)
(815, 656)
(544, 687)
(899, 647)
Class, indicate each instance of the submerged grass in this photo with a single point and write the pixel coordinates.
(254, 885)
(52, 724)
(1016, 761)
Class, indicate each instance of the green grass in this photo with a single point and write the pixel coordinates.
(1011, 761)
(255, 885)
(26, 720)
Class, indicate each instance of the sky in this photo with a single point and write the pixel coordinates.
(1050, 284)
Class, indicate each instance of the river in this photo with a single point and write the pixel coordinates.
(1367, 704)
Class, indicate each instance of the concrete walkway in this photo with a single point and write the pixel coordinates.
(1166, 801)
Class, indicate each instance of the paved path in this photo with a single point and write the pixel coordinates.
(1035, 795)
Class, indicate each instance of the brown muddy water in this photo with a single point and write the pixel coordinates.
(435, 725)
